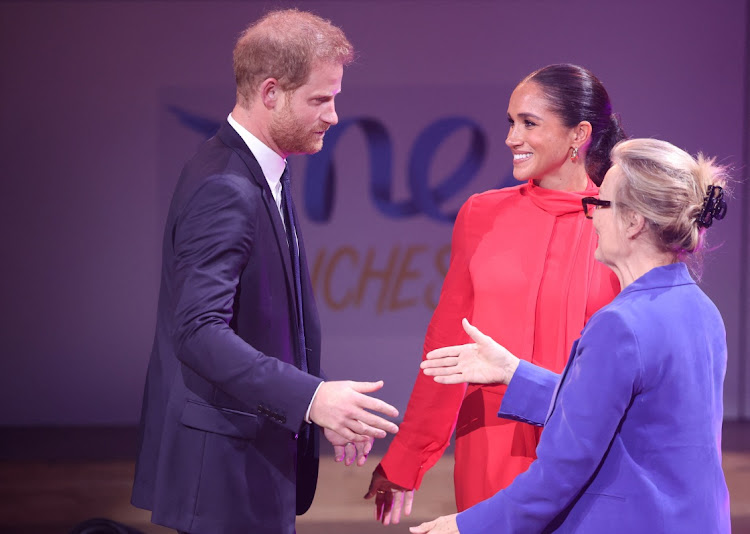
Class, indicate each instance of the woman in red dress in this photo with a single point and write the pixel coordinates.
(522, 270)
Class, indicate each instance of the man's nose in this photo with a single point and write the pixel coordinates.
(330, 115)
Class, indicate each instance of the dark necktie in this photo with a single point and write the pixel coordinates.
(287, 208)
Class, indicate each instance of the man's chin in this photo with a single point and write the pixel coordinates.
(314, 147)
(310, 148)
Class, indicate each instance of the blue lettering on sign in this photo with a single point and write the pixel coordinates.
(424, 151)
(320, 179)
(202, 125)
(319, 186)
(320, 176)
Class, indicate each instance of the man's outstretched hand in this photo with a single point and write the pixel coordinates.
(342, 406)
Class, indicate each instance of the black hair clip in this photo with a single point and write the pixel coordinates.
(714, 206)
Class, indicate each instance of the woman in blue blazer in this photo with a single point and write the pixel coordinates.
(632, 439)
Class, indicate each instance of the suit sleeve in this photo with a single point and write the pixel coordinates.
(593, 397)
(529, 394)
(212, 241)
(433, 408)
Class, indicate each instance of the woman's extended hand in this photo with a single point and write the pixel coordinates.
(483, 362)
(442, 525)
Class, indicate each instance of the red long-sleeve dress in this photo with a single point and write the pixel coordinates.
(522, 270)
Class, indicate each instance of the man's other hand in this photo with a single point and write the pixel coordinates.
(348, 451)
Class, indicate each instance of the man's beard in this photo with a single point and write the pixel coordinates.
(291, 136)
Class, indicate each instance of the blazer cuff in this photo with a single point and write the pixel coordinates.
(529, 394)
(479, 519)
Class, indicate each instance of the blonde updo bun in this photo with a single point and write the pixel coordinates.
(668, 187)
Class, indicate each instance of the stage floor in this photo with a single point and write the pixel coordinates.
(49, 496)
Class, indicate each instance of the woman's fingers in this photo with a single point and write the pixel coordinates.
(474, 332)
(451, 379)
(443, 352)
(442, 371)
(449, 361)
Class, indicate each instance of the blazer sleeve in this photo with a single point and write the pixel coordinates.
(529, 394)
(212, 241)
(433, 408)
(592, 399)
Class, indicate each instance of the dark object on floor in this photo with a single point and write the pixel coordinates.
(100, 525)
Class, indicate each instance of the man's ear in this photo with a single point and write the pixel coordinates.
(270, 93)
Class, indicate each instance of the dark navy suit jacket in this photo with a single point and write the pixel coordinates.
(632, 438)
(224, 447)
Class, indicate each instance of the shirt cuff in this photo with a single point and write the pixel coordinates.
(309, 407)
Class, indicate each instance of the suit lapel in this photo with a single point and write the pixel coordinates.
(233, 140)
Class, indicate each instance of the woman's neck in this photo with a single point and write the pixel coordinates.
(577, 181)
(639, 263)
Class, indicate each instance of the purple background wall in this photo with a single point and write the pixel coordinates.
(91, 148)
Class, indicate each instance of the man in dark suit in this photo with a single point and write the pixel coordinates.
(233, 393)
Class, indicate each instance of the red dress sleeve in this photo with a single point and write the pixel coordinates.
(433, 408)
(604, 287)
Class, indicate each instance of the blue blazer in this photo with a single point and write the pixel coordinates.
(632, 439)
(224, 447)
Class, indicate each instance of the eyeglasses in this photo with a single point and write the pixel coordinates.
(592, 203)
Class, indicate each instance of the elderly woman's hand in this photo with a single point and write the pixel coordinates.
(482, 362)
(442, 525)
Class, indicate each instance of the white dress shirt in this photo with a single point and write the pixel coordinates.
(270, 162)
